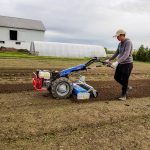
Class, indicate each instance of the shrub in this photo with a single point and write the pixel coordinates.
(143, 54)
(24, 51)
(109, 51)
(134, 55)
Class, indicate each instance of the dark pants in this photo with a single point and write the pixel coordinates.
(122, 75)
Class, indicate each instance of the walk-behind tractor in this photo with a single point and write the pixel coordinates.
(59, 84)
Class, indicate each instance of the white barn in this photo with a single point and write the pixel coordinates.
(19, 32)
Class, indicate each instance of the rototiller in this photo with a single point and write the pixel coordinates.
(59, 85)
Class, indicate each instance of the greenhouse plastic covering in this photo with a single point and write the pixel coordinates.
(67, 49)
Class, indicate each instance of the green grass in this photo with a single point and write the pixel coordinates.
(13, 54)
(25, 55)
(21, 55)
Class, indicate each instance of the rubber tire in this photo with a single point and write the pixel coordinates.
(54, 86)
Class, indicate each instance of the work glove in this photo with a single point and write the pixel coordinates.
(114, 64)
(107, 61)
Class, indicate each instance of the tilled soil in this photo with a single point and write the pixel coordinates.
(18, 80)
(35, 120)
(108, 90)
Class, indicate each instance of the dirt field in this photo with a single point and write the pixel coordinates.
(32, 120)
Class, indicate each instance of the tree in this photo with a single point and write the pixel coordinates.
(141, 54)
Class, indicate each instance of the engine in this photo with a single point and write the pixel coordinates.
(44, 74)
(41, 79)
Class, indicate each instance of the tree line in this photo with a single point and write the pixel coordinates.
(142, 54)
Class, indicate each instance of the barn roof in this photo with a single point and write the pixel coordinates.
(20, 23)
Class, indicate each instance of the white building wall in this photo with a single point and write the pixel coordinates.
(23, 35)
(12, 44)
(30, 35)
(4, 34)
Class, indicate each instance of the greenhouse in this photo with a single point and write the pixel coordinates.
(67, 49)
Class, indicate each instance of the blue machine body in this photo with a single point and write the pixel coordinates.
(66, 72)
(78, 89)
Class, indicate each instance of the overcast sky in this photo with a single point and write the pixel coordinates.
(86, 21)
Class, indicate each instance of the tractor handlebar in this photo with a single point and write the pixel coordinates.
(97, 59)
(93, 60)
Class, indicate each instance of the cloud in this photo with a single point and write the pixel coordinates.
(86, 21)
(134, 6)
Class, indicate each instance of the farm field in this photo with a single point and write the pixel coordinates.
(34, 120)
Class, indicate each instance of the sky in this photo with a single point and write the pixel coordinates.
(86, 21)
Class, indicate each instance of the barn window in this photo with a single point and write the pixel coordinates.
(13, 35)
(18, 43)
(2, 42)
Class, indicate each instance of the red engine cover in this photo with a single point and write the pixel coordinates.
(37, 82)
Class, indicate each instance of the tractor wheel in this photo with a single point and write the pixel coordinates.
(61, 88)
